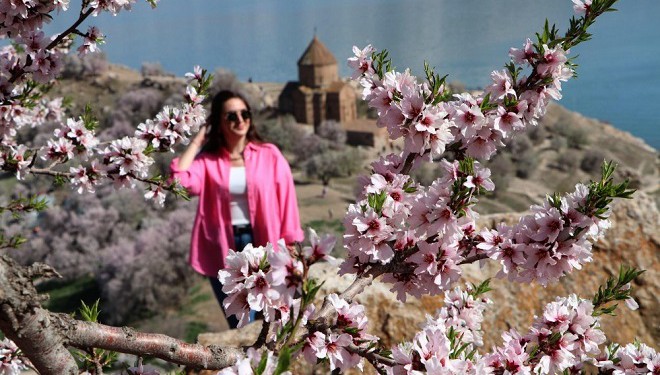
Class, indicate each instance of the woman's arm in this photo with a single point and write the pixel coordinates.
(291, 230)
(186, 169)
(195, 145)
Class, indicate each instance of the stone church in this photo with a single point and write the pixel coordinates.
(319, 94)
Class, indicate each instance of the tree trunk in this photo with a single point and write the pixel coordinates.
(326, 183)
(27, 324)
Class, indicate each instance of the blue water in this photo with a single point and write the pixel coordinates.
(619, 73)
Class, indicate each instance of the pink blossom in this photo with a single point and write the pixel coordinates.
(372, 225)
(92, 39)
(469, 119)
(86, 178)
(320, 247)
(636, 358)
(11, 362)
(553, 59)
(112, 6)
(484, 144)
(192, 96)
(549, 223)
(361, 63)
(261, 291)
(128, 155)
(507, 122)
(581, 7)
(630, 302)
(157, 194)
(480, 179)
(60, 150)
(335, 349)
(196, 74)
(19, 160)
(502, 85)
(524, 56)
(314, 347)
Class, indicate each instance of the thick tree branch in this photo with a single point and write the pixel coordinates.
(82, 334)
(27, 324)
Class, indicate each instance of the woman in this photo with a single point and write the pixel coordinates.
(245, 188)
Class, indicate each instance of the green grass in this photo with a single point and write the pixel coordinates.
(195, 297)
(334, 225)
(7, 184)
(66, 297)
(193, 329)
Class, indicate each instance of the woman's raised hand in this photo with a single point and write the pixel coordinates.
(200, 138)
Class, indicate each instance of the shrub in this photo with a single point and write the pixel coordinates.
(526, 164)
(149, 69)
(130, 109)
(567, 161)
(576, 137)
(502, 170)
(92, 64)
(283, 132)
(141, 276)
(537, 134)
(558, 142)
(333, 132)
(591, 161)
(520, 144)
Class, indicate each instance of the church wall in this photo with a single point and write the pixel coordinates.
(333, 107)
(324, 75)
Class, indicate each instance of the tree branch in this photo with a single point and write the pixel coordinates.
(82, 334)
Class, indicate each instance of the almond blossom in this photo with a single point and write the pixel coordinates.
(547, 240)
(581, 7)
(127, 154)
(11, 360)
(86, 178)
(91, 40)
(634, 358)
(361, 63)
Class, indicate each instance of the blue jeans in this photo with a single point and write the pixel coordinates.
(241, 238)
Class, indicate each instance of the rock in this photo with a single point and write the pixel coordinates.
(633, 239)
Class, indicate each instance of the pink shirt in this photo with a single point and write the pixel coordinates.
(272, 203)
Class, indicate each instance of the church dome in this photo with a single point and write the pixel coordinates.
(317, 54)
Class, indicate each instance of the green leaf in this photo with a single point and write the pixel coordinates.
(283, 361)
(262, 364)
(480, 289)
(90, 313)
(376, 201)
(89, 120)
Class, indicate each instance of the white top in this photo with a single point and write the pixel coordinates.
(240, 212)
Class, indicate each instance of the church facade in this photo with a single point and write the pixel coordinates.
(319, 94)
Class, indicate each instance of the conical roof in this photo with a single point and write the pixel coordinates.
(317, 54)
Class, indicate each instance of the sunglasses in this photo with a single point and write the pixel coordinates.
(233, 115)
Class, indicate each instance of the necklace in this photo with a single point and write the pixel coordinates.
(236, 157)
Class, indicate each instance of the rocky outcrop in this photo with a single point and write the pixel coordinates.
(634, 240)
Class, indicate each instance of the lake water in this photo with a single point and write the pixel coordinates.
(619, 73)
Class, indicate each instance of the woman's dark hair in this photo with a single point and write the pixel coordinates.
(216, 139)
